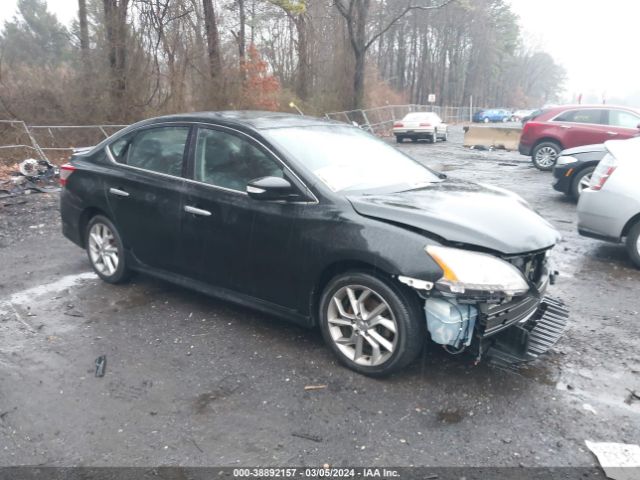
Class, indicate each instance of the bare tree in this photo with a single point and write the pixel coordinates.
(356, 15)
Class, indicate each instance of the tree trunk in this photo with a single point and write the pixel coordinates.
(84, 29)
(242, 42)
(304, 64)
(115, 14)
(213, 40)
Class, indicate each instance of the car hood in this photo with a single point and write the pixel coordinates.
(599, 147)
(466, 213)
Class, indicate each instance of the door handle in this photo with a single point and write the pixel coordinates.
(565, 126)
(197, 211)
(119, 193)
(612, 133)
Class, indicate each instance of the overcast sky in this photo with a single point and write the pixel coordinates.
(597, 42)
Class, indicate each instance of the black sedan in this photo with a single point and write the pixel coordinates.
(322, 224)
(574, 167)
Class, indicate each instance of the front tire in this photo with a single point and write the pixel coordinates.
(105, 250)
(485, 120)
(373, 326)
(581, 182)
(633, 244)
(544, 155)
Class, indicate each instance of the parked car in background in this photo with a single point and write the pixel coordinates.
(574, 167)
(421, 126)
(492, 115)
(610, 208)
(569, 126)
(323, 224)
(519, 115)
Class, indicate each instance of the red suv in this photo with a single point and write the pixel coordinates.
(552, 130)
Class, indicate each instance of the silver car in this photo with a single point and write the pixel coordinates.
(610, 208)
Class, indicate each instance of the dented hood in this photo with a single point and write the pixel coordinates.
(464, 212)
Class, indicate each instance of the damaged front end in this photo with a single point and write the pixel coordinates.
(492, 307)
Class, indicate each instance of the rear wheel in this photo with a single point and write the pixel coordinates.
(581, 182)
(372, 325)
(544, 155)
(399, 139)
(505, 119)
(105, 250)
(633, 243)
(485, 120)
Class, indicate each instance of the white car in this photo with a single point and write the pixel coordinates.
(610, 208)
(420, 125)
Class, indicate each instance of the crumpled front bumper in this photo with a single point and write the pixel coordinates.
(524, 342)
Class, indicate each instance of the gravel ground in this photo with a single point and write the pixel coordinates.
(194, 381)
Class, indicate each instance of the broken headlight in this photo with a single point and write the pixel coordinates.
(473, 272)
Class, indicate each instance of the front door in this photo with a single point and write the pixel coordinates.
(230, 239)
(144, 192)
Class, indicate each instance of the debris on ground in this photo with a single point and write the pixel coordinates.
(309, 388)
(620, 461)
(633, 396)
(101, 365)
(31, 176)
(307, 436)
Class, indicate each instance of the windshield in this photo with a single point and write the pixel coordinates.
(348, 159)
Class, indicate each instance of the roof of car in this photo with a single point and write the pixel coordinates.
(252, 118)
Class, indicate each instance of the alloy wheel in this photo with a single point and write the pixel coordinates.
(585, 182)
(103, 250)
(546, 157)
(362, 325)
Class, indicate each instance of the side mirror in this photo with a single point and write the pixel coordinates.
(270, 188)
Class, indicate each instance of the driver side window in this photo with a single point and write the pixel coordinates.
(229, 161)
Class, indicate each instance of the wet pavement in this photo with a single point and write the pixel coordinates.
(193, 381)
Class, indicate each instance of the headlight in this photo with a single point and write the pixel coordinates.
(472, 271)
(566, 160)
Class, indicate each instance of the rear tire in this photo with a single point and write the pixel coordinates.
(545, 155)
(399, 139)
(485, 120)
(398, 329)
(633, 244)
(581, 181)
(105, 250)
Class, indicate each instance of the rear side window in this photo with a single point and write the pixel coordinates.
(620, 118)
(582, 116)
(157, 149)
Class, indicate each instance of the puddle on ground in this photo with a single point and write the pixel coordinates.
(450, 416)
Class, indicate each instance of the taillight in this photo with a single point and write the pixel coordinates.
(425, 124)
(65, 172)
(603, 172)
(398, 125)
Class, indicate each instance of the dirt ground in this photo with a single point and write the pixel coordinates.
(195, 381)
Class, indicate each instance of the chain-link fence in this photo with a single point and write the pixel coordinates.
(380, 120)
(55, 142)
(48, 142)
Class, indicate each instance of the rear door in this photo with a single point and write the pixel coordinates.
(622, 124)
(582, 127)
(144, 193)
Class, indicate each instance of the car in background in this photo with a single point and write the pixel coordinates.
(493, 115)
(569, 126)
(421, 125)
(610, 208)
(574, 167)
(519, 115)
(323, 224)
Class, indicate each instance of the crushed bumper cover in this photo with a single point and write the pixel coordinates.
(527, 341)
